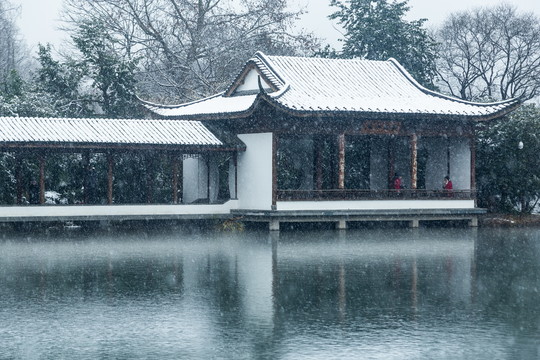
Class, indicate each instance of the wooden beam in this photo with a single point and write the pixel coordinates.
(72, 147)
(341, 161)
(414, 161)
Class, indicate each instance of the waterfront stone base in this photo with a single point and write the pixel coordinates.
(342, 218)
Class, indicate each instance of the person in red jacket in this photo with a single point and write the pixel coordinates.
(396, 182)
(447, 186)
(447, 183)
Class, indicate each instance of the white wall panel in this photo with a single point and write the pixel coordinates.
(255, 172)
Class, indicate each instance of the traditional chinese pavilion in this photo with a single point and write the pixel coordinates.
(291, 139)
(325, 137)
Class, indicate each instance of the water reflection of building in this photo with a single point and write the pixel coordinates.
(351, 275)
(259, 292)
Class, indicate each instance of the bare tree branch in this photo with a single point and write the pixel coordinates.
(490, 53)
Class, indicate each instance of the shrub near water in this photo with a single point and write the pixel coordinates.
(508, 177)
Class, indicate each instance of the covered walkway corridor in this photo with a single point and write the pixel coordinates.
(109, 161)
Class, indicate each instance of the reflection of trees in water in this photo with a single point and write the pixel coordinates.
(132, 277)
(94, 275)
(357, 281)
(508, 276)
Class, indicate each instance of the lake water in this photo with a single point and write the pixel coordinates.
(172, 293)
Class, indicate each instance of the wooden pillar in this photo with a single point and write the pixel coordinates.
(149, 164)
(472, 145)
(235, 163)
(391, 161)
(86, 180)
(208, 177)
(275, 144)
(174, 161)
(341, 161)
(110, 160)
(448, 156)
(42, 179)
(318, 163)
(18, 177)
(414, 161)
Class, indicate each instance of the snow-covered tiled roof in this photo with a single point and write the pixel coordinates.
(213, 105)
(106, 131)
(319, 86)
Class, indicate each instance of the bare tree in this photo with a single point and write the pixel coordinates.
(490, 53)
(191, 48)
(11, 47)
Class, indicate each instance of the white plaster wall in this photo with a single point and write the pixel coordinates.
(378, 166)
(251, 82)
(73, 211)
(213, 188)
(195, 180)
(232, 178)
(375, 205)
(460, 163)
(436, 161)
(255, 172)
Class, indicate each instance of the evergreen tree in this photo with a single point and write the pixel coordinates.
(21, 98)
(377, 30)
(62, 81)
(111, 74)
(508, 165)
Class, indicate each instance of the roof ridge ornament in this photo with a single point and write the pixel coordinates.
(259, 82)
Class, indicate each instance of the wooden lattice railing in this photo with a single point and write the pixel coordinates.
(354, 194)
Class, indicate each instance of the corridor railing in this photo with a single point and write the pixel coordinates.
(356, 194)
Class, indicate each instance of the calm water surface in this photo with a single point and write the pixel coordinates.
(360, 294)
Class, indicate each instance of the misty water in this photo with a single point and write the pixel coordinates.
(172, 293)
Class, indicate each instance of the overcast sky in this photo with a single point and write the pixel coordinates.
(38, 20)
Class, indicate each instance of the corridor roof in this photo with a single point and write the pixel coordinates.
(92, 132)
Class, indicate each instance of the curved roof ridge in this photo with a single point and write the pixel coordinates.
(267, 62)
(443, 96)
(307, 85)
(176, 106)
(261, 63)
